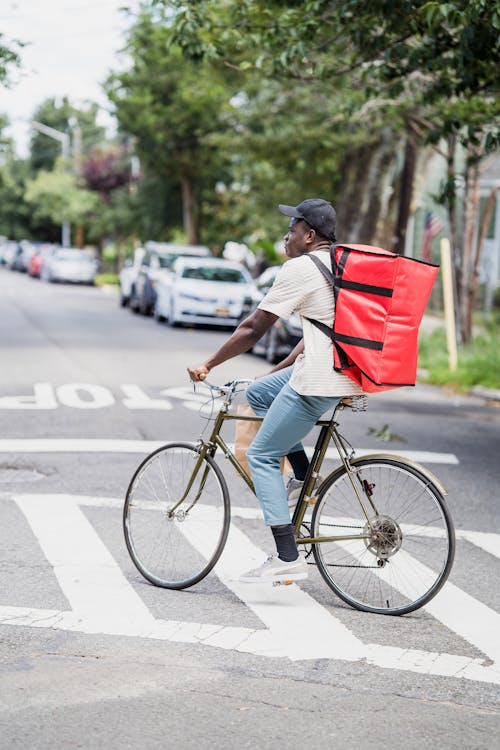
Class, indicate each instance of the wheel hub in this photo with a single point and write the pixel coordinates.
(385, 537)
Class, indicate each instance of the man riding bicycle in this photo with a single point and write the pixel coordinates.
(300, 389)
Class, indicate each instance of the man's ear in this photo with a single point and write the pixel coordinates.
(310, 236)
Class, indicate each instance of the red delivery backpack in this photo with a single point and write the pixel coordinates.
(380, 298)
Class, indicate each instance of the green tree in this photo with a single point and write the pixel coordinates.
(57, 196)
(426, 70)
(9, 57)
(66, 118)
(172, 106)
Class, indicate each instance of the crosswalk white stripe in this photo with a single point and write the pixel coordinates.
(311, 632)
(450, 611)
(88, 575)
(487, 541)
(484, 540)
(110, 445)
(454, 608)
(249, 640)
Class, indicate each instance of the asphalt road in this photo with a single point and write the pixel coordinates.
(92, 656)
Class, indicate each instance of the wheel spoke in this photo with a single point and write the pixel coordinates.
(410, 550)
(175, 544)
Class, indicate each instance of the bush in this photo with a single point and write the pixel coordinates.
(103, 279)
(478, 364)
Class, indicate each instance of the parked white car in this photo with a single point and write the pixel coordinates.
(128, 276)
(158, 261)
(69, 264)
(205, 290)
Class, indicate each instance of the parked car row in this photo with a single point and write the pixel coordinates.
(179, 284)
(186, 284)
(49, 262)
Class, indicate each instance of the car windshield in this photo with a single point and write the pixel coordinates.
(67, 255)
(214, 273)
(167, 261)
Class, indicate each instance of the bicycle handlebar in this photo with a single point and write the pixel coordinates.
(228, 389)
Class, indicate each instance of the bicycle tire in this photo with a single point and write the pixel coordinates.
(175, 545)
(412, 545)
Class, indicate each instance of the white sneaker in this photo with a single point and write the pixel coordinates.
(293, 488)
(275, 570)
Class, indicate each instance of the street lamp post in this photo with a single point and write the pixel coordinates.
(63, 139)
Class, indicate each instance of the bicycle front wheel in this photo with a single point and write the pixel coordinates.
(176, 516)
(405, 545)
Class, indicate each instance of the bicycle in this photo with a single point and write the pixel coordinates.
(380, 532)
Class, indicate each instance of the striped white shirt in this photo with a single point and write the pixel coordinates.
(300, 287)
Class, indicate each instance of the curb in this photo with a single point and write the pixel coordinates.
(489, 394)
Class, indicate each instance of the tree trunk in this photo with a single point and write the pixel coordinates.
(466, 280)
(79, 236)
(451, 177)
(366, 211)
(483, 230)
(405, 196)
(189, 211)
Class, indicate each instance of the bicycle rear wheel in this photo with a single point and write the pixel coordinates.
(175, 531)
(410, 543)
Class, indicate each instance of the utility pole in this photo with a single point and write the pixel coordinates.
(63, 139)
(78, 238)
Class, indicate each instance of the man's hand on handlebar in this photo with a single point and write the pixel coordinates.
(198, 373)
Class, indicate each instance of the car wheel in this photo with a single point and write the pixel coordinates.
(123, 300)
(158, 316)
(133, 302)
(272, 353)
(144, 308)
(171, 316)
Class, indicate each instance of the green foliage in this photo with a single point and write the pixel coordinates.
(56, 195)
(172, 106)
(408, 58)
(9, 57)
(479, 364)
(64, 117)
(107, 279)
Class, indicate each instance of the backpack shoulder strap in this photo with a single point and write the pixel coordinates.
(324, 270)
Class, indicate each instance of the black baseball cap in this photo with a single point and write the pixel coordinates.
(318, 213)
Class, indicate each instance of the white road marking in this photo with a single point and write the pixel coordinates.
(86, 571)
(298, 615)
(43, 397)
(110, 445)
(78, 445)
(484, 540)
(103, 601)
(454, 608)
(136, 398)
(96, 396)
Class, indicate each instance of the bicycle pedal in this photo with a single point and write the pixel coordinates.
(282, 583)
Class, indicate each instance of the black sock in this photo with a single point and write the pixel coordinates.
(285, 542)
(299, 463)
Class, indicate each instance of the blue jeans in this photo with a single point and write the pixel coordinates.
(288, 418)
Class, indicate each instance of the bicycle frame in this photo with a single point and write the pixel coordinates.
(328, 431)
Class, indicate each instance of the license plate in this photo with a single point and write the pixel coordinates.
(222, 312)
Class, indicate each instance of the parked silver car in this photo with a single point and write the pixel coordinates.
(69, 264)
